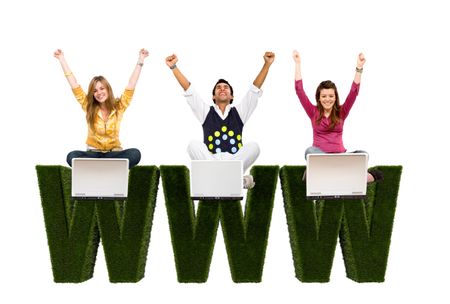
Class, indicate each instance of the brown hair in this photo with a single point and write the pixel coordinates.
(335, 111)
(93, 105)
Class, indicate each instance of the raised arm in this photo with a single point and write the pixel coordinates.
(171, 62)
(143, 53)
(269, 57)
(59, 54)
(359, 68)
(304, 100)
(298, 73)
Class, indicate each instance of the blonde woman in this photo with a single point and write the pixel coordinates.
(104, 113)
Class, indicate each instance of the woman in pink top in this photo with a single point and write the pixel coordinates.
(328, 116)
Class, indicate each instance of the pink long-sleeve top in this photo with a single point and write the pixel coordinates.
(328, 140)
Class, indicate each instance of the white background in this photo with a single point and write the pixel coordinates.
(399, 118)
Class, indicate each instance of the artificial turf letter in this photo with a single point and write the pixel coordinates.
(73, 226)
(125, 227)
(246, 237)
(193, 237)
(364, 227)
(313, 228)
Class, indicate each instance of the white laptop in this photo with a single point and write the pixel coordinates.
(216, 180)
(99, 178)
(337, 175)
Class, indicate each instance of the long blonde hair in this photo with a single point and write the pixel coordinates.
(93, 105)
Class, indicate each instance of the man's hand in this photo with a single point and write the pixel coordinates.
(269, 57)
(171, 60)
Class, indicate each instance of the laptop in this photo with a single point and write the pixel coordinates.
(100, 178)
(337, 175)
(216, 180)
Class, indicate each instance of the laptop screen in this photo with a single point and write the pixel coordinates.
(338, 175)
(99, 178)
(219, 180)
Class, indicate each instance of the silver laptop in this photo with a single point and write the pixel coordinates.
(340, 175)
(99, 178)
(216, 179)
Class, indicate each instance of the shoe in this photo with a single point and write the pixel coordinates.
(249, 183)
(378, 175)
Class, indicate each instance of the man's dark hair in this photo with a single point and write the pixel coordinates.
(226, 82)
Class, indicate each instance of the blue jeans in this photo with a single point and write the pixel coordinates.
(133, 155)
(315, 150)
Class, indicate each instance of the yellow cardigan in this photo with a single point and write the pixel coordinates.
(105, 136)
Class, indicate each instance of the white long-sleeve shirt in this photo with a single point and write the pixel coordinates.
(244, 109)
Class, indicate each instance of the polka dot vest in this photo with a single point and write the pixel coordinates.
(223, 135)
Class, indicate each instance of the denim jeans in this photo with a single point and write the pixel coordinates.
(315, 150)
(133, 155)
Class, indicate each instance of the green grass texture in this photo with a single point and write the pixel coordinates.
(74, 228)
(193, 235)
(364, 227)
